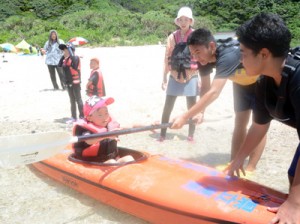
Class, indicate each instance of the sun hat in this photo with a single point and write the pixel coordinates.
(65, 46)
(94, 103)
(184, 11)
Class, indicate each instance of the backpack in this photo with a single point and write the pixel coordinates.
(180, 59)
(226, 43)
(295, 52)
(288, 70)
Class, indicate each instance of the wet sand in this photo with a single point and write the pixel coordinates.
(133, 77)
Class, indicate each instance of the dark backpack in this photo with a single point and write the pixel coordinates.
(288, 70)
(180, 59)
(226, 43)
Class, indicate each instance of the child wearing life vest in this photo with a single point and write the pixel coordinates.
(95, 85)
(72, 71)
(96, 120)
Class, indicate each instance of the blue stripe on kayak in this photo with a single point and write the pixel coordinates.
(199, 217)
(229, 199)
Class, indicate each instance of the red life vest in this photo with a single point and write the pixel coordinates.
(99, 89)
(105, 149)
(75, 73)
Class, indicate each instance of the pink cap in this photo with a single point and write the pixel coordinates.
(94, 103)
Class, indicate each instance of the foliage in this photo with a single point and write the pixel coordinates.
(129, 22)
(228, 15)
(9, 8)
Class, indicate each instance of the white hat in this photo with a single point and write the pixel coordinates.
(184, 11)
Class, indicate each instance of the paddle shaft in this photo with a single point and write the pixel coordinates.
(123, 132)
(26, 149)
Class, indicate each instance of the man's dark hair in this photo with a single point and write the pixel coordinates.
(201, 37)
(266, 30)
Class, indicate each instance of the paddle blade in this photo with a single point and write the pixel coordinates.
(25, 149)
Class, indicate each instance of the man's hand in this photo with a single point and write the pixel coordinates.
(179, 121)
(235, 167)
(288, 212)
(199, 118)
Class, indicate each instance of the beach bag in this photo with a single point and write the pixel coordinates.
(180, 59)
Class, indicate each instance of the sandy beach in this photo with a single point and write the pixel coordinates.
(133, 77)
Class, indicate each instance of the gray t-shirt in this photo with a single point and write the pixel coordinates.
(228, 60)
(228, 64)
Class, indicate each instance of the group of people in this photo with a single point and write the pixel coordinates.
(93, 115)
(225, 57)
(266, 81)
(270, 90)
(61, 57)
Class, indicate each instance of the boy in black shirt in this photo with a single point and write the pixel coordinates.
(265, 44)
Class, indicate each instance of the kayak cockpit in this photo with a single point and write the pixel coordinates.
(137, 155)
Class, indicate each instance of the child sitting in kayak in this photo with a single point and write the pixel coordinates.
(96, 120)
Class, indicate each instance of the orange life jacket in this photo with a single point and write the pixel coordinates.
(75, 73)
(105, 149)
(99, 89)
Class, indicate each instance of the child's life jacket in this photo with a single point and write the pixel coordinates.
(104, 150)
(71, 67)
(181, 59)
(99, 89)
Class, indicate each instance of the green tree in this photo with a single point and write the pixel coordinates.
(130, 22)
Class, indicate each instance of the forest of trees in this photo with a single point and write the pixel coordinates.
(129, 22)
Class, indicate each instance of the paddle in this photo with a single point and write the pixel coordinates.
(26, 149)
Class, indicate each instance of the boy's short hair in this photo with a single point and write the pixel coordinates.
(67, 45)
(265, 30)
(96, 60)
(200, 37)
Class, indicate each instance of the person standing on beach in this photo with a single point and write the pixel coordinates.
(265, 46)
(183, 79)
(71, 68)
(225, 57)
(95, 85)
(53, 55)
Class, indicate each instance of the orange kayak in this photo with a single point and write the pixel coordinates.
(164, 190)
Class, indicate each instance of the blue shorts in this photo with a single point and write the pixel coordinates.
(294, 163)
(243, 97)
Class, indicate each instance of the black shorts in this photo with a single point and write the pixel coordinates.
(243, 97)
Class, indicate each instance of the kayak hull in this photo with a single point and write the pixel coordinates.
(163, 190)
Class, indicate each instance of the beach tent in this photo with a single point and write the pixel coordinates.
(25, 47)
(8, 47)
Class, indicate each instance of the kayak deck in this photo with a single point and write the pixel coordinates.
(163, 190)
